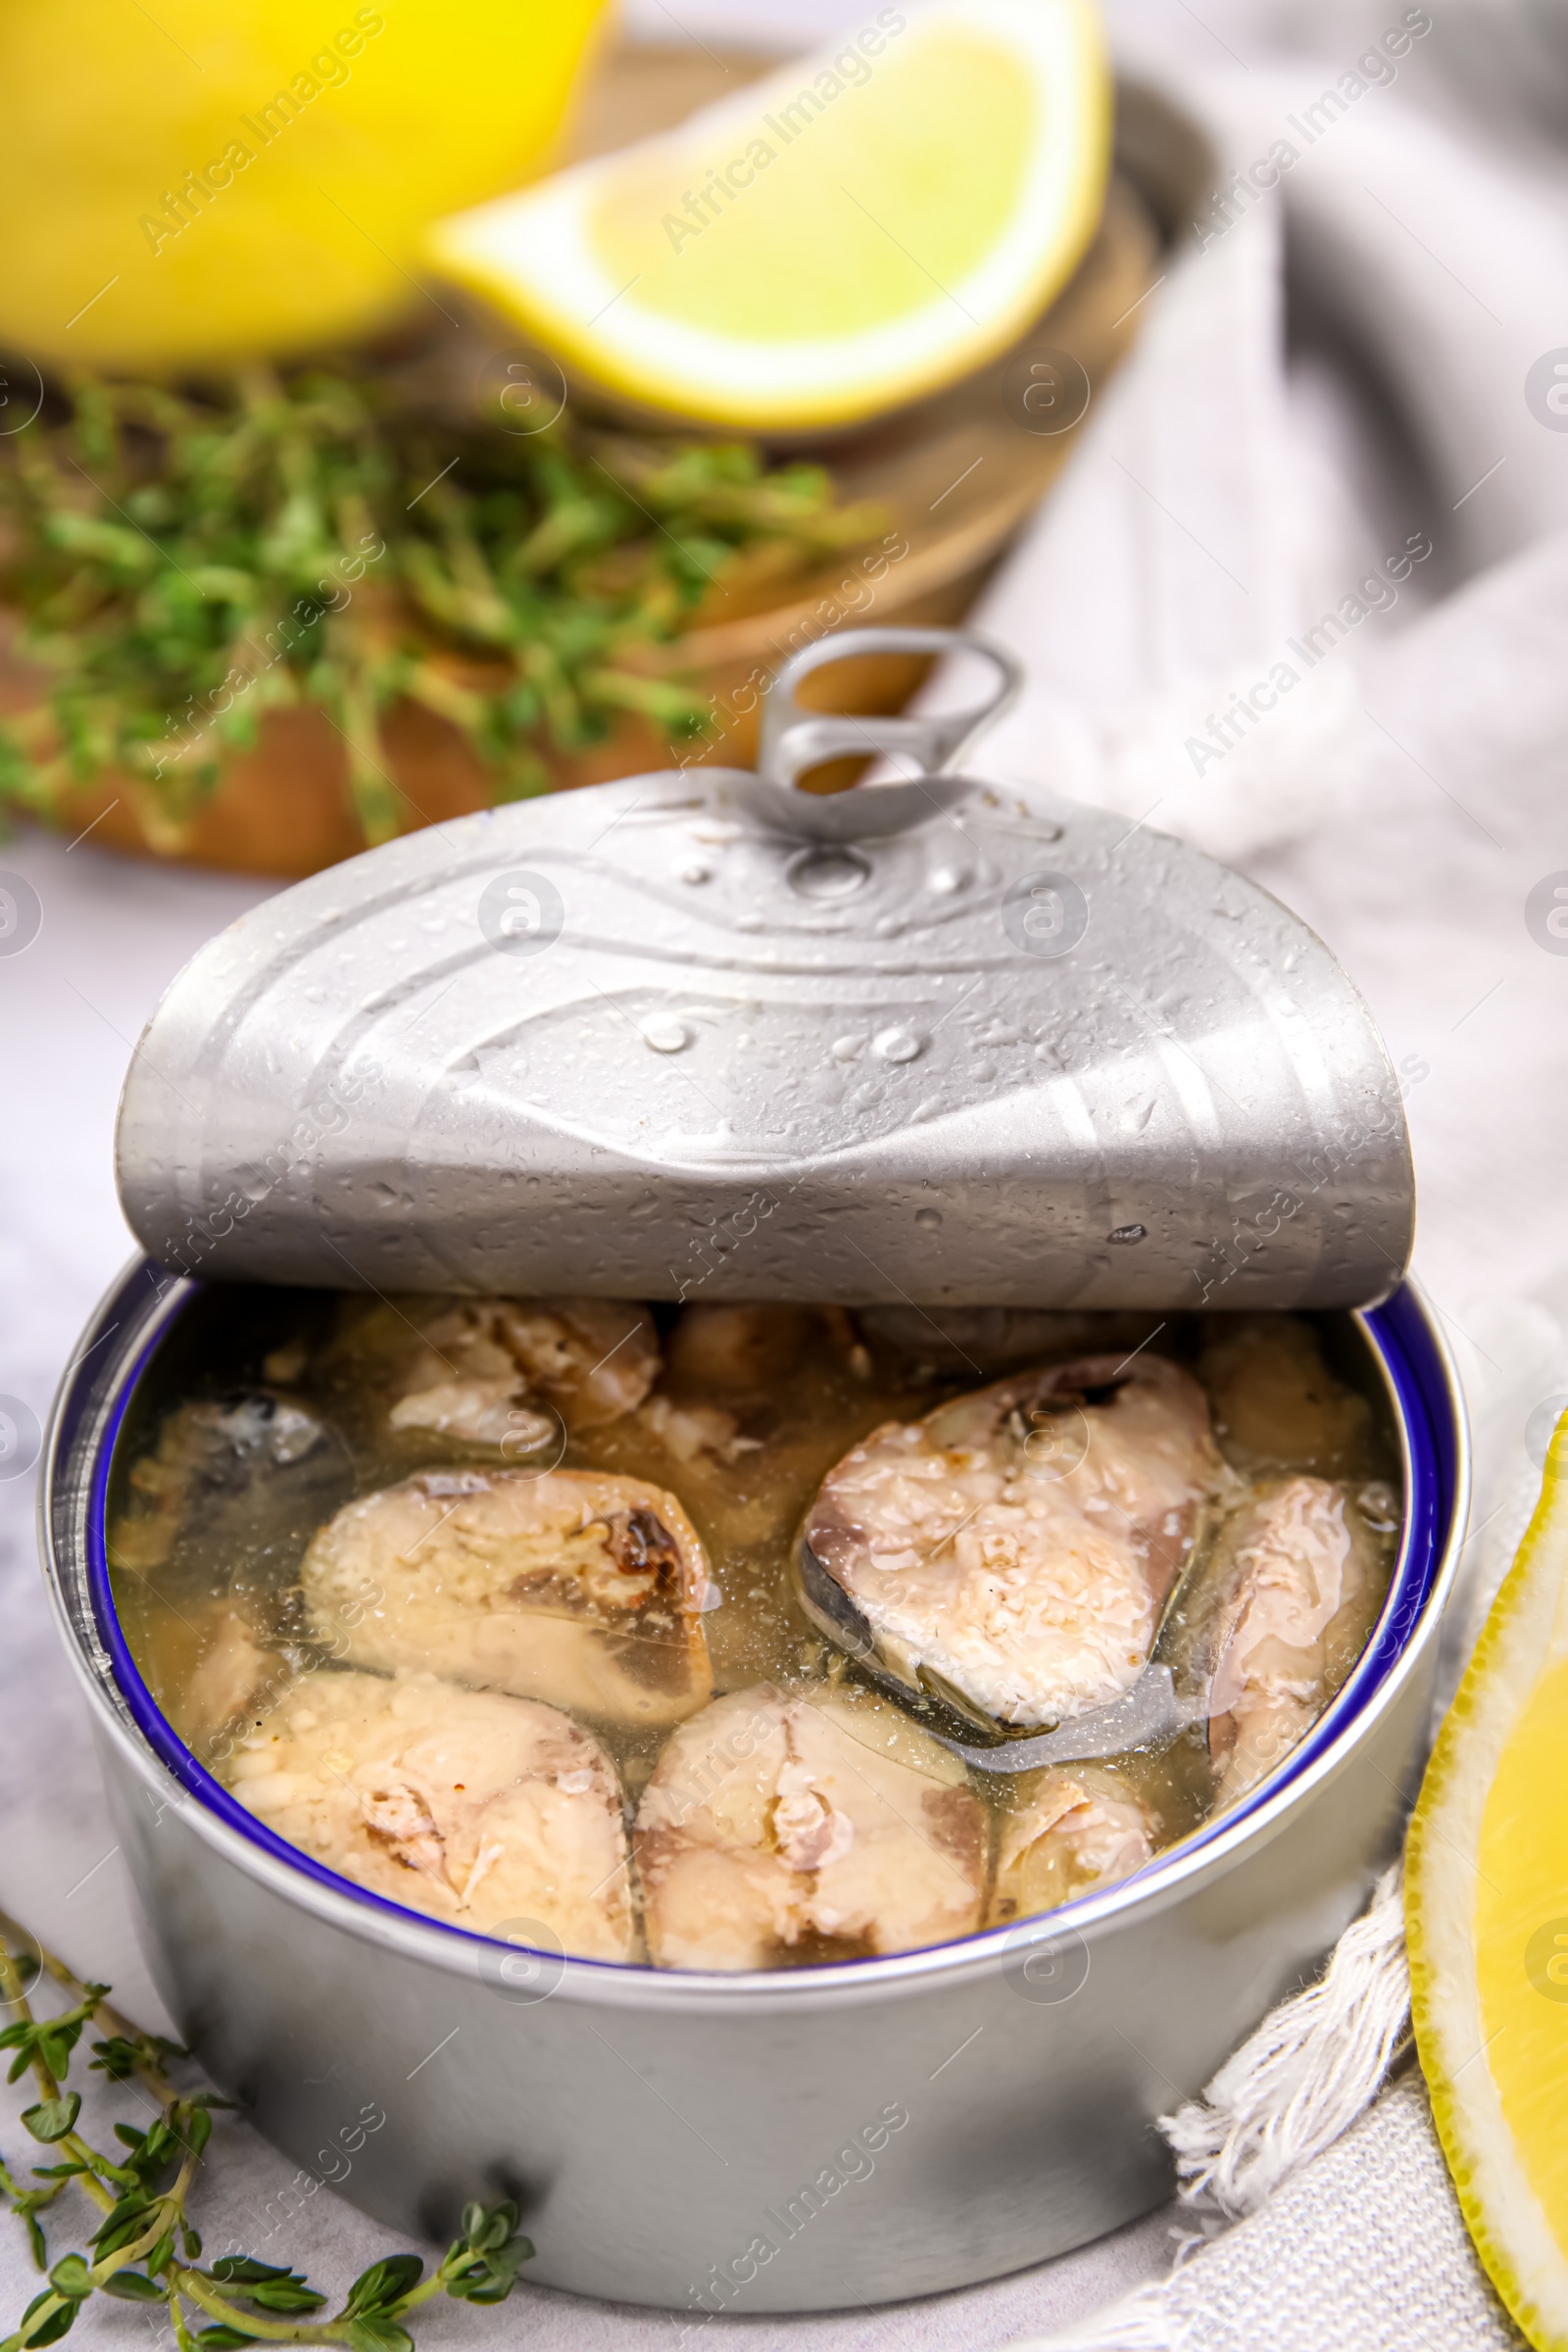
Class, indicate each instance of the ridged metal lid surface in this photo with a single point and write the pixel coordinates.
(701, 1034)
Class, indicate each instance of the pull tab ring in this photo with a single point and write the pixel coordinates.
(794, 740)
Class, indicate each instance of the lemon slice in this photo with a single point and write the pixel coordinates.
(1488, 1912)
(857, 230)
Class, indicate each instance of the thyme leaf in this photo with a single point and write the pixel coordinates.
(143, 2207)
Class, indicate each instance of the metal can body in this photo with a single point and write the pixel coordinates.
(783, 2142)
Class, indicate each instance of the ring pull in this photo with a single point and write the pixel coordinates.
(794, 740)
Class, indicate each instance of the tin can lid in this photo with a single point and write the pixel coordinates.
(703, 1033)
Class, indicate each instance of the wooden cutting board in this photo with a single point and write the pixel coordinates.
(958, 474)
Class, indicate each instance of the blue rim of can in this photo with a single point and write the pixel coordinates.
(1419, 1379)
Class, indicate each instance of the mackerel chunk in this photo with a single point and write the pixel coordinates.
(500, 1371)
(581, 1590)
(1017, 1545)
(782, 1828)
(492, 1813)
(213, 1464)
(1296, 1582)
(1073, 1829)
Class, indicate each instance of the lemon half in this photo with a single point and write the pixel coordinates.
(856, 230)
(1487, 1897)
(199, 181)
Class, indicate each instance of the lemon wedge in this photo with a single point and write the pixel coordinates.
(860, 228)
(1486, 1899)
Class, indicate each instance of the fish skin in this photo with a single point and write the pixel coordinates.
(1020, 1541)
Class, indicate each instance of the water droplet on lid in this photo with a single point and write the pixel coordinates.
(944, 880)
(697, 873)
(896, 1045)
(845, 1049)
(1127, 1233)
(930, 1218)
(666, 1036)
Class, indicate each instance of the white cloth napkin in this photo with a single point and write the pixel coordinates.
(1350, 371)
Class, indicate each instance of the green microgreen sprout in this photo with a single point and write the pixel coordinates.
(184, 560)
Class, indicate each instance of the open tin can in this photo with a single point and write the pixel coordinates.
(973, 1048)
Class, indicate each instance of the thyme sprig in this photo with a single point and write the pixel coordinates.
(185, 561)
(145, 2248)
